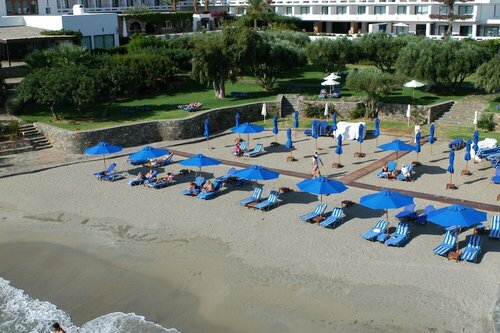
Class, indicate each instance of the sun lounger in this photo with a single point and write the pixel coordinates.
(374, 232)
(162, 162)
(136, 181)
(258, 150)
(228, 175)
(483, 153)
(391, 167)
(318, 211)
(495, 227)
(108, 171)
(409, 178)
(136, 162)
(308, 132)
(163, 182)
(400, 236)
(243, 145)
(271, 201)
(257, 193)
(448, 244)
(199, 182)
(333, 219)
(152, 178)
(473, 248)
(212, 194)
(456, 144)
(496, 178)
(408, 213)
(422, 218)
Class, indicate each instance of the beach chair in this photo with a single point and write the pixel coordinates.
(408, 213)
(257, 193)
(243, 145)
(199, 182)
(308, 132)
(495, 226)
(422, 218)
(135, 181)
(108, 171)
(258, 150)
(228, 175)
(318, 211)
(456, 144)
(374, 232)
(271, 201)
(448, 244)
(136, 162)
(485, 152)
(391, 167)
(162, 183)
(406, 179)
(333, 219)
(400, 236)
(152, 179)
(322, 128)
(213, 194)
(164, 162)
(472, 249)
(496, 178)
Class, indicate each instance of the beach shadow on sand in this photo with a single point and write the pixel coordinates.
(362, 212)
(364, 161)
(297, 197)
(440, 159)
(429, 170)
(474, 180)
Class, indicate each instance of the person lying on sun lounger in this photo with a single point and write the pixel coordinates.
(139, 176)
(389, 174)
(168, 178)
(405, 171)
(191, 187)
(208, 187)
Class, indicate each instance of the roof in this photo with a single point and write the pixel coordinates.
(24, 33)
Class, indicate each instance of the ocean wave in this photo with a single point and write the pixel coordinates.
(20, 313)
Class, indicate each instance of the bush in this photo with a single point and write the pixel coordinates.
(13, 129)
(13, 105)
(486, 122)
(357, 113)
(314, 111)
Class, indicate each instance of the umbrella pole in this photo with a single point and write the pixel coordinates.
(466, 165)
(248, 139)
(316, 141)
(431, 148)
(104, 159)
(208, 144)
(451, 178)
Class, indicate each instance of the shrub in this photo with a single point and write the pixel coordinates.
(13, 129)
(13, 105)
(359, 112)
(486, 122)
(314, 111)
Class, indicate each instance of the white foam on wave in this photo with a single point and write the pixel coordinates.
(20, 313)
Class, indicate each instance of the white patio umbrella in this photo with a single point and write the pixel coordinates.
(330, 83)
(408, 114)
(475, 120)
(264, 111)
(400, 25)
(331, 76)
(414, 84)
(326, 110)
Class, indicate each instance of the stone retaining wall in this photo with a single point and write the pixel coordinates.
(154, 131)
(436, 110)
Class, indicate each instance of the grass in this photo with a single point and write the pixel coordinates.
(305, 81)
(492, 107)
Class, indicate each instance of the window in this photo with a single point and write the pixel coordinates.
(341, 10)
(104, 41)
(465, 10)
(324, 10)
(443, 10)
(86, 42)
(421, 10)
(289, 11)
(167, 24)
(465, 30)
(401, 10)
(304, 10)
(491, 31)
(98, 3)
(361, 10)
(442, 29)
(47, 10)
(379, 10)
(130, 3)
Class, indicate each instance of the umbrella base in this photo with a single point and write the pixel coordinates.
(285, 189)
(416, 163)
(291, 159)
(359, 155)
(337, 165)
(466, 173)
(185, 171)
(451, 186)
(274, 144)
(454, 256)
(347, 203)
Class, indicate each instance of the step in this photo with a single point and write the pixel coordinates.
(15, 151)
(42, 147)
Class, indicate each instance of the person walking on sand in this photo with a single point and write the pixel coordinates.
(316, 160)
(57, 328)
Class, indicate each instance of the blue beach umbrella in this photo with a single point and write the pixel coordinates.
(338, 149)
(296, 119)
(256, 172)
(376, 129)
(475, 139)
(247, 128)
(103, 148)
(321, 186)
(431, 139)
(315, 131)
(275, 128)
(199, 160)
(450, 169)
(361, 138)
(148, 153)
(397, 146)
(386, 199)
(468, 144)
(289, 142)
(237, 119)
(456, 217)
(206, 133)
(417, 143)
(334, 122)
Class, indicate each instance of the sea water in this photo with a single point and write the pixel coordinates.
(20, 313)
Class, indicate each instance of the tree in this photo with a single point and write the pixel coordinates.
(219, 57)
(450, 17)
(488, 75)
(330, 55)
(86, 87)
(255, 8)
(273, 58)
(375, 85)
(380, 48)
(64, 54)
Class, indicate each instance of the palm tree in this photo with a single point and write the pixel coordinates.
(255, 8)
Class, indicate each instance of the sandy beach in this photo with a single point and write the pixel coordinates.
(95, 247)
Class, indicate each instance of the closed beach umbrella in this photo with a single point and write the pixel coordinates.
(417, 143)
(199, 160)
(289, 142)
(334, 123)
(456, 217)
(408, 114)
(275, 128)
(361, 132)
(206, 132)
(338, 151)
(264, 111)
(256, 172)
(237, 119)
(386, 199)
(315, 131)
(450, 168)
(321, 186)
(376, 129)
(326, 110)
(103, 148)
(431, 139)
(397, 146)
(468, 144)
(475, 120)
(148, 153)
(475, 139)
(247, 128)
(296, 119)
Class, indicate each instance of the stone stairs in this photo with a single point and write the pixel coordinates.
(462, 113)
(37, 140)
(289, 105)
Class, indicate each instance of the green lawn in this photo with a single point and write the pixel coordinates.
(305, 81)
